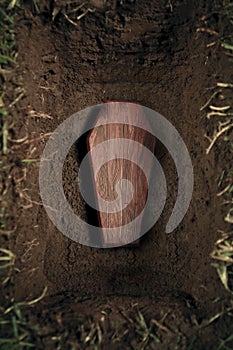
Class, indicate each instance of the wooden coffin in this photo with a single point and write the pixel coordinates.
(114, 170)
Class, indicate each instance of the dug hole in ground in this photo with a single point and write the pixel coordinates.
(157, 294)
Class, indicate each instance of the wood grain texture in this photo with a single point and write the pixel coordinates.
(112, 171)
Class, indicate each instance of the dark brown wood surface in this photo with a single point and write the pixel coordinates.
(114, 170)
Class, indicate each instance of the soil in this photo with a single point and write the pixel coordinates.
(152, 53)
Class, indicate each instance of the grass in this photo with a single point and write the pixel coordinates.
(145, 331)
(222, 253)
(224, 343)
(223, 256)
(16, 332)
(72, 12)
(14, 3)
(7, 61)
(8, 54)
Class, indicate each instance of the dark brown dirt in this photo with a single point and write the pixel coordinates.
(148, 52)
